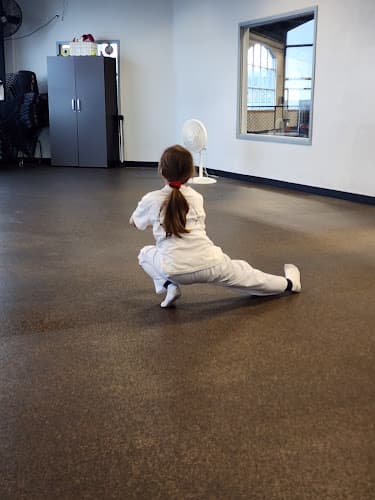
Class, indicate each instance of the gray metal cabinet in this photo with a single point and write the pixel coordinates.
(83, 116)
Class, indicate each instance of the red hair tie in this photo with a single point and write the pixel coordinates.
(175, 184)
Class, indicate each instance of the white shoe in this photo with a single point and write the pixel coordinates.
(292, 272)
(173, 293)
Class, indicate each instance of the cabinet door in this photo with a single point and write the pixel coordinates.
(91, 112)
(62, 114)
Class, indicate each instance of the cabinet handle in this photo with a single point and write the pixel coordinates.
(78, 104)
(73, 104)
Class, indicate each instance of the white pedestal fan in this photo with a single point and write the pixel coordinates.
(194, 136)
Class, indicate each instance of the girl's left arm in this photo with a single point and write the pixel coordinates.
(141, 217)
(131, 222)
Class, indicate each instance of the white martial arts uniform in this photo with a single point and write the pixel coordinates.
(194, 258)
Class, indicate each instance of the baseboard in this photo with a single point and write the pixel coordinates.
(303, 188)
(343, 195)
(23, 162)
(140, 164)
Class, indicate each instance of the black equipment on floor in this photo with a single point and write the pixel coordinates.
(22, 116)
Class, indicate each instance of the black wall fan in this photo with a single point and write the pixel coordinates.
(10, 21)
(10, 17)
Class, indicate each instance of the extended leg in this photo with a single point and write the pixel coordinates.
(239, 275)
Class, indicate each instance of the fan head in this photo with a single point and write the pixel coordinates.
(194, 135)
(10, 17)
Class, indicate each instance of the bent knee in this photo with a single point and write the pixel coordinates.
(142, 256)
(149, 255)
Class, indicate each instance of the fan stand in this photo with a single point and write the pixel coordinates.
(201, 179)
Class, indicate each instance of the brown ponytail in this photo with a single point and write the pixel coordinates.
(176, 166)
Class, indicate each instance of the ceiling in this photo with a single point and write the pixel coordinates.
(278, 30)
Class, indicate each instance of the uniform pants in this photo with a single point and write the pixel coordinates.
(235, 274)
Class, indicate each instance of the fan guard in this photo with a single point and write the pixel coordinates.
(10, 17)
(194, 135)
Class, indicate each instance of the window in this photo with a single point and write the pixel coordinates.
(276, 78)
(261, 73)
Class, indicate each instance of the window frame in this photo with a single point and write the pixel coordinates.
(241, 78)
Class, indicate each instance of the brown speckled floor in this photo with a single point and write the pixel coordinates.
(103, 395)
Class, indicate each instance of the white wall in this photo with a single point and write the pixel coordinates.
(179, 60)
(144, 28)
(341, 156)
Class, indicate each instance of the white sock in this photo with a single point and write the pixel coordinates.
(173, 293)
(292, 272)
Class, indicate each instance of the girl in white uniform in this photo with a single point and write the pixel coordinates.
(183, 253)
